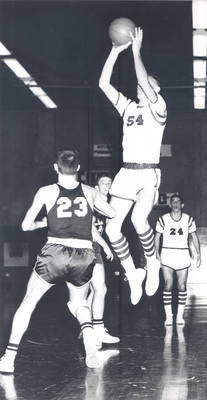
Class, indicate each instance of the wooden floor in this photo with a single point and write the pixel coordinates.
(151, 361)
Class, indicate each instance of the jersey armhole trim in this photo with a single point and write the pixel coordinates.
(131, 101)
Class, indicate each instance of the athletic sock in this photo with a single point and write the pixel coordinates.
(167, 297)
(121, 248)
(147, 242)
(98, 323)
(182, 297)
(11, 350)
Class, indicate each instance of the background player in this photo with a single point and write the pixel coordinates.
(176, 227)
(67, 256)
(98, 285)
(138, 181)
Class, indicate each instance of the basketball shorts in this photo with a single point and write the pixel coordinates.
(97, 251)
(128, 182)
(176, 259)
(57, 263)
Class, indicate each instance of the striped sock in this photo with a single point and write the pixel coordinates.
(89, 342)
(121, 248)
(11, 350)
(167, 298)
(86, 325)
(147, 242)
(98, 323)
(182, 297)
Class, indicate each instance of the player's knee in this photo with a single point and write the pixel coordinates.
(139, 222)
(75, 306)
(182, 286)
(168, 285)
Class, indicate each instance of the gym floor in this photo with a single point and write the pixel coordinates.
(150, 362)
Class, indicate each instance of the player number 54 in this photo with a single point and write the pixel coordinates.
(131, 120)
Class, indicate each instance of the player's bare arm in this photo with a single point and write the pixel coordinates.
(29, 223)
(98, 238)
(97, 202)
(141, 73)
(196, 243)
(105, 78)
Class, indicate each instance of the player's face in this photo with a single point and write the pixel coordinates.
(104, 185)
(176, 204)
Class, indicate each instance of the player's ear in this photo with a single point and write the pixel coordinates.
(55, 167)
(182, 205)
(78, 167)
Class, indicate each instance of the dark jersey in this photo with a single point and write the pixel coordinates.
(71, 216)
(99, 222)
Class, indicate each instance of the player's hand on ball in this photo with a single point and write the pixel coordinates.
(121, 47)
(137, 39)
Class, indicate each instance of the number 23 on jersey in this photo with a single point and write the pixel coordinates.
(64, 205)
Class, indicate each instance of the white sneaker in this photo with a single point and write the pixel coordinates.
(89, 342)
(153, 277)
(6, 364)
(105, 355)
(135, 279)
(102, 336)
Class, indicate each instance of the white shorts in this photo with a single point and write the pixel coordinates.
(175, 258)
(128, 182)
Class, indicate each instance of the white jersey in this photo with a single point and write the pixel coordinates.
(175, 233)
(143, 128)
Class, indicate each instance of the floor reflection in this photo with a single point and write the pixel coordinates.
(174, 384)
(94, 381)
(8, 386)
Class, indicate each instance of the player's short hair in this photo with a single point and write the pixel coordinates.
(68, 161)
(176, 195)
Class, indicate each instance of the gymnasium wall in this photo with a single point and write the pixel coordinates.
(29, 140)
(66, 53)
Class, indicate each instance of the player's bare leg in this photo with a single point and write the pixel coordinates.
(99, 290)
(143, 206)
(121, 248)
(167, 294)
(36, 288)
(182, 295)
(80, 309)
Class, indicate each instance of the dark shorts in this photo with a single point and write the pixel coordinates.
(57, 263)
(97, 251)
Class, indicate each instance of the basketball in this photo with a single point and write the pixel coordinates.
(119, 30)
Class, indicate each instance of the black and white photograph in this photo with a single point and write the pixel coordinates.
(103, 206)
